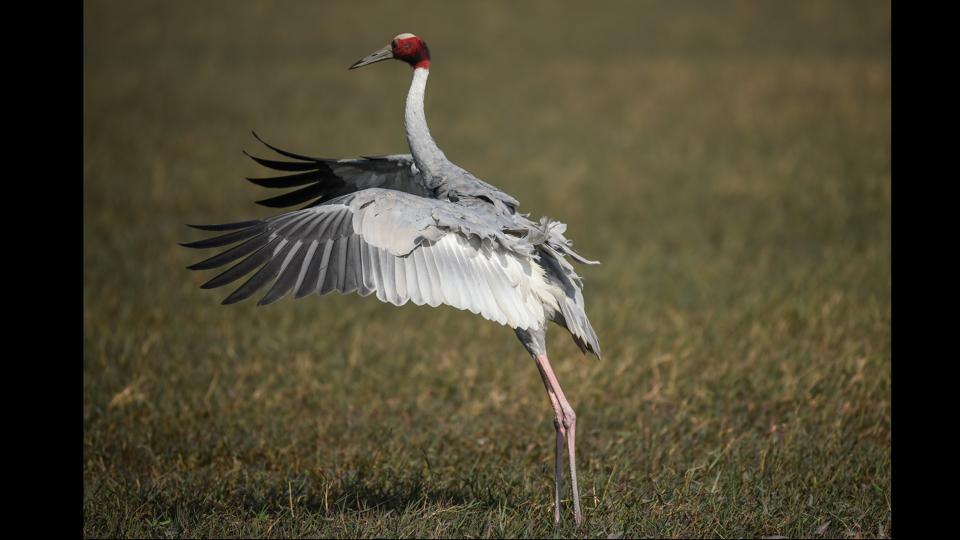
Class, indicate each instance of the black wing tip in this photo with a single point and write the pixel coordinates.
(269, 204)
(285, 152)
(226, 226)
(235, 234)
(233, 299)
(291, 198)
(198, 244)
(265, 143)
(260, 160)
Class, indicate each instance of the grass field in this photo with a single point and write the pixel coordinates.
(729, 163)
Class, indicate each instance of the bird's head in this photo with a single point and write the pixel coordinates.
(407, 47)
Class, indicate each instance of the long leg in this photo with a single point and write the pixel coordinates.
(566, 424)
(558, 455)
(570, 418)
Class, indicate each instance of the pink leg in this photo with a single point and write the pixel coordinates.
(558, 455)
(566, 424)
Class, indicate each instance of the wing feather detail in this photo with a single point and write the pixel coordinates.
(322, 179)
(375, 241)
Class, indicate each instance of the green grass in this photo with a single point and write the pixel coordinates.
(729, 163)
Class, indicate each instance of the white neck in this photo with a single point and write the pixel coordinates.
(425, 152)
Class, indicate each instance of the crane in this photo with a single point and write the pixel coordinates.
(413, 227)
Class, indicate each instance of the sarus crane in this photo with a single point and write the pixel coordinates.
(413, 227)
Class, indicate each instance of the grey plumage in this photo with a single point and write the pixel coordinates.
(408, 227)
(389, 242)
(412, 228)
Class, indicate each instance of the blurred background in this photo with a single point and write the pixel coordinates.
(728, 162)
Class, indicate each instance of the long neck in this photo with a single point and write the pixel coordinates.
(425, 152)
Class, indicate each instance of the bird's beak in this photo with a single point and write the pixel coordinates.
(385, 53)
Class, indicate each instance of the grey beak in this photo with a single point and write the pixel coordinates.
(385, 53)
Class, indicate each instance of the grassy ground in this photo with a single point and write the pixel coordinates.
(728, 162)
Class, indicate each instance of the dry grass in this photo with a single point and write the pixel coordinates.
(728, 162)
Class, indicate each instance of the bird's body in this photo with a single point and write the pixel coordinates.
(412, 227)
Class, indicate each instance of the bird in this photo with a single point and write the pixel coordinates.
(413, 227)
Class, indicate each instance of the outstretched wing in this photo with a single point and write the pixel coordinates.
(398, 245)
(320, 180)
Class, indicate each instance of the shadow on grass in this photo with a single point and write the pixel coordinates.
(387, 495)
(353, 493)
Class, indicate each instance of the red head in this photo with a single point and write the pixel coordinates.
(406, 47)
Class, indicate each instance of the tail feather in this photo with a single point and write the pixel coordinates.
(580, 328)
(572, 307)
